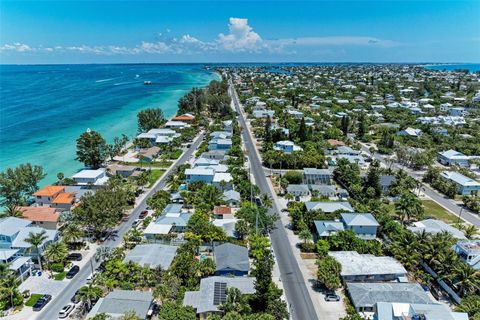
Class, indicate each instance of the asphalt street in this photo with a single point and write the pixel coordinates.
(300, 303)
(52, 309)
(442, 200)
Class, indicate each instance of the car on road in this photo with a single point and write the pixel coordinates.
(72, 272)
(42, 302)
(143, 214)
(65, 312)
(90, 277)
(332, 297)
(75, 256)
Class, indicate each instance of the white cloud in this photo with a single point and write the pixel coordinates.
(241, 37)
(18, 47)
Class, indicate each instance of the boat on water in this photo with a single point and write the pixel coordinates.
(147, 82)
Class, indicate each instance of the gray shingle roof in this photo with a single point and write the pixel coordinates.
(233, 257)
(367, 294)
(152, 255)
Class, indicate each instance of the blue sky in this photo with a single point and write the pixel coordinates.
(244, 31)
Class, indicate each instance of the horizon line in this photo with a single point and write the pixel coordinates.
(250, 62)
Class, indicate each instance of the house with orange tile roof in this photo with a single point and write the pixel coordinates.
(44, 217)
(187, 117)
(63, 201)
(223, 212)
(46, 195)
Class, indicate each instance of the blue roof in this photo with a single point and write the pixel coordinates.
(359, 219)
(10, 226)
(325, 228)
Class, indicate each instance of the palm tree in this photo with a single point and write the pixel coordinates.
(305, 235)
(36, 239)
(130, 315)
(8, 283)
(288, 197)
(12, 210)
(466, 279)
(89, 293)
(266, 200)
(470, 231)
(409, 206)
(72, 233)
(56, 252)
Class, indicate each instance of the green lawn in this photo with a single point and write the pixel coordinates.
(151, 165)
(436, 211)
(60, 276)
(33, 299)
(154, 175)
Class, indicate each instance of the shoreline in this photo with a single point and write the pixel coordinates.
(55, 151)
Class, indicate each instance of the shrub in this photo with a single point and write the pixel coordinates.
(57, 267)
(308, 247)
(294, 177)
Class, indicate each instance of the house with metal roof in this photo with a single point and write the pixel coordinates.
(358, 267)
(298, 190)
(152, 255)
(329, 207)
(21, 266)
(452, 157)
(363, 224)
(231, 259)
(96, 177)
(465, 185)
(436, 226)
(172, 219)
(386, 181)
(364, 296)
(286, 146)
(400, 311)
(213, 293)
(326, 228)
(324, 190)
(317, 176)
(14, 231)
(232, 198)
(118, 302)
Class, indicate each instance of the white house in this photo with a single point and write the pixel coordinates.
(96, 177)
(287, 146)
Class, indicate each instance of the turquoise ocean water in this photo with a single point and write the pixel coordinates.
(44, 108)
(472, 67)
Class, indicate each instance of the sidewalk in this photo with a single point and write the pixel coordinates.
(332, 310)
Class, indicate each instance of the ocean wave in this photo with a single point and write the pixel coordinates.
(104, 80)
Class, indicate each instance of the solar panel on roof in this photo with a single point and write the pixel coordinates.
(219, 293)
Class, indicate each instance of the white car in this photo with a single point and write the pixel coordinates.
(65, 312)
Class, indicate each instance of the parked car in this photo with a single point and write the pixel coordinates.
(42, 302)
(90, 277)
(75, 299)
(332, 297)
(65, 312)
(136, 223)
(75, 256)
(143, 214)
(72, 272)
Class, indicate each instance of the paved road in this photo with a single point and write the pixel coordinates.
(442, 200)
(51, 310)
(301, 306)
